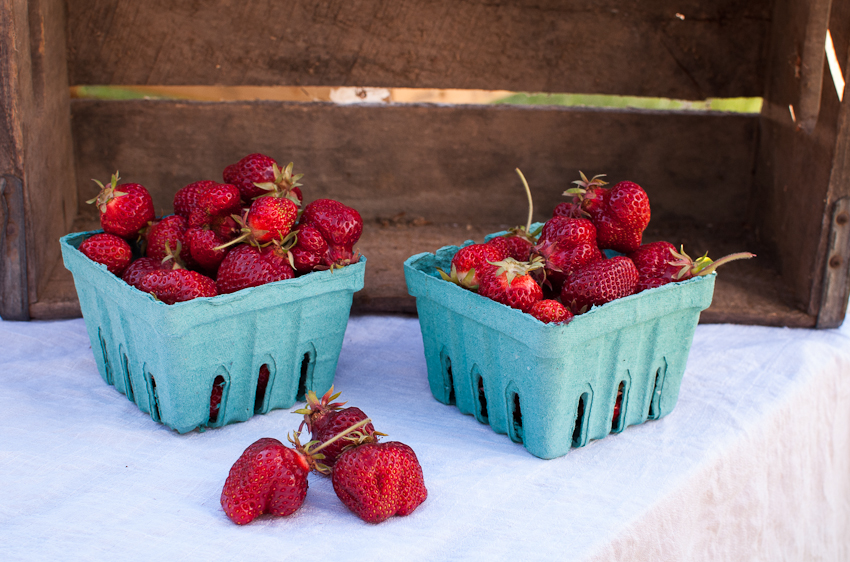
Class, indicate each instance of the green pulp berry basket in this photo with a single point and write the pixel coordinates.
(168, 358)
(552, 387)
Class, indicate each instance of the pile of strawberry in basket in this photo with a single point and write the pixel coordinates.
(561, 270)
(246, 231)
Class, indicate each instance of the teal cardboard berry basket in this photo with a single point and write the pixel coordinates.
(553, 387)
(167, 358)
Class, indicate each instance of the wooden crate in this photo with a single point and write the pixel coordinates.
(425, 175)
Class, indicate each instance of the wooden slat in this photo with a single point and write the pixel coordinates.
(443, 165)
(668, 48)
(35, 138)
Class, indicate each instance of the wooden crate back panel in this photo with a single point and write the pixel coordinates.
(446, 164)
(669, 48)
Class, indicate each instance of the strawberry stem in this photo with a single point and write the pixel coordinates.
(530, 202)
(341, 434)
(725, 259)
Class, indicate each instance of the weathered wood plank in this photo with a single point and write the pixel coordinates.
(679, 49)
(441, 164)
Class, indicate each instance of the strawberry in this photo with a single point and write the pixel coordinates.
(214, 205)
(658, 263)
(325, 419)
(268, 477)
(550, 311)
(339, 224)
(620, 224)
(379, 480)
(471, 262)
(561, 259)
(108, 249)
(141, 267)
(248, 266)
(268, 218)
(169, 231)
(511, 283)
(575, 230)
(261, 169)
(186, 197)
(205, 248)
(599, 282)
(589, 198)
(309, 250)
(124, 209)
(177, 285)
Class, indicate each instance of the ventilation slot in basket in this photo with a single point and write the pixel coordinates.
(578, 431)
(154, 399)
(616, 419)
(128, 380)
(654, 403)
(263, 383)
(107, 368)
(216, 396)
(515, 417)
(308, 361)
(448, 379)
(482, 400)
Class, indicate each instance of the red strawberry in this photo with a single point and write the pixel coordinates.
(169, 231)
(124, 209)
(261, 169)
(186, 197)
(205, 248)
(108, 249)
(379, 480)
(247, 266)
(309, 250)
(511, 284)
(326, 419)
(471, 262)
(267, 478)
(177, 285)
(658, 263)
(339, 224)
(214, 205)
(599, 282)
(269, 218)
(588, 198)
(550, 311)
(620, 224)
(142, 266)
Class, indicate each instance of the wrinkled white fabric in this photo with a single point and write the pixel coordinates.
(752, 464)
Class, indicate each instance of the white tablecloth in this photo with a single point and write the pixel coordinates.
(753, 463)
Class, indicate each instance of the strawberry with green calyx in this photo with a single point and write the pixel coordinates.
(124, 209)
(550, 311)
(108, 249)
(470, 263)
(269, 477)
(248, 266)
(176, 284)
(599, 282)
(168, 232)
(378, 480)
(588, 198)
(658, 263)
(260, 169)
(511, 283)
(324, 419)
(268, 218)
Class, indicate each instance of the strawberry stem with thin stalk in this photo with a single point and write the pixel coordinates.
(725, 259)
(530, 202)
(341, 434)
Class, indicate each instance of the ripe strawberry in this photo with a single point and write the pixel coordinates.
(379, 480)
(599, 282)
(214, 205)
(108, 249)
(177, 285)
(205, 248)
(326, 419)
(267, 478)
(589, 197)
(169, 232)
(247, 266)
(261, 169)
(140, 267)
(471, 262)
(658, 263)
(572, 229)
(269, 218)
(550, 311)
(186, 197)
(339, 224)
(124, 209)
(620, 224)
(511, 284)
(309, 250)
